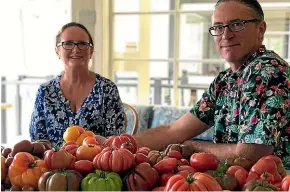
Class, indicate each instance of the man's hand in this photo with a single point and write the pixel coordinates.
(222, 151)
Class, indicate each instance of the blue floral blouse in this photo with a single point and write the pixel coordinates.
(101, 112)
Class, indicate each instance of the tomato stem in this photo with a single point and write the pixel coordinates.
(103, 175)
(32, 165)
(189, 178)
(57, 146)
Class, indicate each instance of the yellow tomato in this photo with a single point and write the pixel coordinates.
(76, 134)
(72, 133)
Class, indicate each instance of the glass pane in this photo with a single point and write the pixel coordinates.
(277, 35)
(126, 5)
(195, 40)
(143, 5)
(21, 95)
(191, 83)
(144, 36)
(197, 44)
(144, 82)
(197, 6)
(162, 5)
(43, 37)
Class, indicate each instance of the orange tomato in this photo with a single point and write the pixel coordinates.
(25, 170)
(90, 140)
(88, 152)
(85, 134)
(76, 134)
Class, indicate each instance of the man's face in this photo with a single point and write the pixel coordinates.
(235, 47)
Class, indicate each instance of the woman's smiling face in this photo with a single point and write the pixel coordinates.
(74, 57)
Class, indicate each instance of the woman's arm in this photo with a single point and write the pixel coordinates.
(37, 128)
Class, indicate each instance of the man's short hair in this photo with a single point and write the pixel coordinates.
(253, 4)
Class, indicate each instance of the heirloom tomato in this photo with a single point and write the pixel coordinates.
(115, 160)
(60, 180)
(102, 181)
(76, 134)
(192, 182)
(88, 152)
(123, 141)
(204, 161)
(25, 170)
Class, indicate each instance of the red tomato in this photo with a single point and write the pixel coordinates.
(159, 188)
(166, 165)
(144, 150)
(127, 145)
(233, 169)
(252, 176)
(240, 174)
(267, 177)
(177, 183)
(187, 168)
(115, 160)
(164, 178)
(277, 177)
(204, 161)
(84, 166)
(264, 165)
(196, 182)
(70, 147)
(285, 185)
(117, 141)
(183, 162)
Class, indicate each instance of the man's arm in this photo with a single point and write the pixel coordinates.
(252, 152)
(191, 124)
(180, 130)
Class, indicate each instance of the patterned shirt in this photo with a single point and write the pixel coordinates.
(251, 105)
(101, 112)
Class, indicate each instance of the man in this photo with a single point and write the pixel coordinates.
(248, 104)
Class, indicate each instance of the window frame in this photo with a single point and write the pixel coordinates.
(177, 12)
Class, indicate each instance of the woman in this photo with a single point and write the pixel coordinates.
(77, 96)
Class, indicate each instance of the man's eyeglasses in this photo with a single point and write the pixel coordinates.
(69, 45)
(234, 26)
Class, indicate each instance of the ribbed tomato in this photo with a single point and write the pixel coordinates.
(115, 160)
(25, 170)
(286, 183)
(192, 182)
(123, 141)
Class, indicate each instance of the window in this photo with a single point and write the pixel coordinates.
(28, 33)
(162, 53)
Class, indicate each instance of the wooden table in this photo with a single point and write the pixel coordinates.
(5, 106)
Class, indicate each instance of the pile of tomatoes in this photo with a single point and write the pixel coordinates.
(81, 163)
